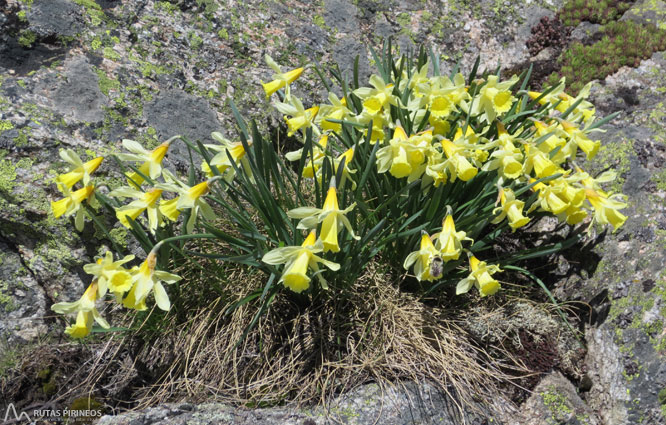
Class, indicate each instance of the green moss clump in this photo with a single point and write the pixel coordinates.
(27, 38)
(7, 176)
(5, 125)
(598, 12)
(623, 44)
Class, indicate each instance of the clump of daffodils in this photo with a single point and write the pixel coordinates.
(416, 168)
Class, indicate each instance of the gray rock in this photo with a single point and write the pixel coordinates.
(408, 404)
(23, 302)
(53, 18)
(555, 400)
(585, 31)
(341, 15)
(345, 51)
(79, 97)
(174, 112)
(647, 12)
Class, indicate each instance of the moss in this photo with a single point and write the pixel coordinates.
(195, 41)
(21, 16)
(106, 84)
(27, 38)
(7, 176)
(109, 53)
(119, 236)
(223, 34)
(556, 403)
(5, 125)
(6, 301)
(96, 43)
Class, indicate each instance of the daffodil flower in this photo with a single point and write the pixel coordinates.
(145, 201)
(511, 208)
(296, 116)
(376, 99)
(227, 151)
(557, 96)
(494, 98)
(71, 204)
(423, 259)
(507, 157)
(189, 198)
(146, 280)
(79, 170)
(298, 260)
(280, 79)
(85, 312)
(404, 156)
(331, 217)
(337, 110)
(151, 160)
(313, 164)
(449, 241)
(481, 277)
(579, 137)
(110, 275)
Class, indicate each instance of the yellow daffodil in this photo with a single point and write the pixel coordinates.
(296, 116)
(376, 99)
(147, 279)
(494, 98)
(280, 79)
(481, 277)
(145, 201)
(404, 156)
(580, 139)
(449, 241)
(71, 204)
(457, 163)
(298, 260)
(79, 171)
(151, 160)
(85, 312)
(110, 275)
(511, 208)
(311, 168)
(189, 198)
(423, 259)
(539, 162)
(331, 217)
(227, 152)
(507, 157)
(337, 110)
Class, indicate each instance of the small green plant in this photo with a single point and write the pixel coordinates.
(599, 12)
(623, 43)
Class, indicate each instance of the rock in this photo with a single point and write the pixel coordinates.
(79, 97)
(555, 400)
(23, 302)
(647, 11)
(341, 15)
(174, 112)
(585, 32)
(407, 404)
(55, 18)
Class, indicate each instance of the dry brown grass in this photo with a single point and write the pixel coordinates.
(298, 353)
(306, 355)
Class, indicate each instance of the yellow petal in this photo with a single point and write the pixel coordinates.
(60, 207)
(295, 277)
